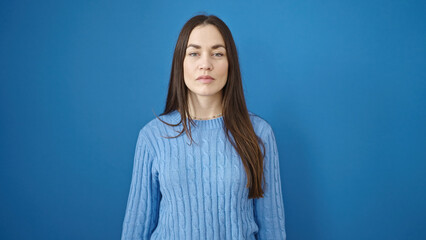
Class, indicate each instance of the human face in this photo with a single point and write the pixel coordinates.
(205, 56)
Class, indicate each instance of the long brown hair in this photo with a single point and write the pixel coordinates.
(235, 114)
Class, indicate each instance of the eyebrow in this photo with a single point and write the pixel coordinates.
(198, 46)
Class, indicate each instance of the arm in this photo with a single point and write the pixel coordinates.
(269, 210)
(141, 215)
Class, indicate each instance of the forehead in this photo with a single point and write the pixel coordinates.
(205, 36)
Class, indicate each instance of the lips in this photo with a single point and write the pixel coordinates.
(205, 77)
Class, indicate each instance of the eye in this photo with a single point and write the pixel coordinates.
(192, 54)
(219, 54)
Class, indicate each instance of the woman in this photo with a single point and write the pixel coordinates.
(207, 168)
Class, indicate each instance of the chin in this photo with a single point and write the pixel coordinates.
(206, 93)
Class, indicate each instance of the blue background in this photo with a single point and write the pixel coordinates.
(343, 84)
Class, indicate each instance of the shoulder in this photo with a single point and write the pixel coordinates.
(261, 126)
(156, 124)
(154, 128)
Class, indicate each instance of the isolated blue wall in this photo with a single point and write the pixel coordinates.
(343, 84)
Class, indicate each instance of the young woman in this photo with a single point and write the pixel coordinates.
(206, 168)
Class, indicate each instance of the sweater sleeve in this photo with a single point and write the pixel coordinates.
(269, 210)
(141, 216)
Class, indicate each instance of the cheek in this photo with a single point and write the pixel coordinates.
(223, 68)
(186, 68)
(185, 64)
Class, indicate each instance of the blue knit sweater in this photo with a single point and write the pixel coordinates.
(181, 191)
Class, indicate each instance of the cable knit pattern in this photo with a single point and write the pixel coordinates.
(184, 192)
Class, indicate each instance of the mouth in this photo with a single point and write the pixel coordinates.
(205, 77)
(205, 80)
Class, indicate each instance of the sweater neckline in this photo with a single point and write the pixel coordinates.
(201, 124)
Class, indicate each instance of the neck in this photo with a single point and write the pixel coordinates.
(204, 107)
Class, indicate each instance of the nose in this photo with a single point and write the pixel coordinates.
(205, 63)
